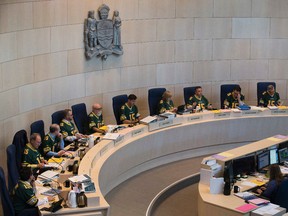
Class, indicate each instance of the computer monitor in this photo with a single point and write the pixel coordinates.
(274, 156)
(244, 165)
(283, 155)
(263, 160)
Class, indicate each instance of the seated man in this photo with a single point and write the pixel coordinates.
(129, 111)
(96, 119)
(31, 156)
(198, 100)
(68, 129)
(234, 98)
(166, 104)
(24, 199)
(53, 143)
(270, 97)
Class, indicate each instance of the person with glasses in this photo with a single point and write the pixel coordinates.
(96, 120)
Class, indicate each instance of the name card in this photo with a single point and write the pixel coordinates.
(165, 123)
(137, 132)
(222, 115)
(194, 118)
(250, 112)
(279, 112)
(118, 140)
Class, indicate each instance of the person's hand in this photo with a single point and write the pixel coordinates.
(60, 153)
(78, 136)
(60, 136)
(259, 191)
(50, 198)
(41, 165)
(209, 107)
(263, 188)
(239, 97)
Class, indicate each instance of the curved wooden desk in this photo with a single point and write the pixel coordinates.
(109, 163)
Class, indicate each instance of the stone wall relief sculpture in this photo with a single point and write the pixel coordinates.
(102, 37)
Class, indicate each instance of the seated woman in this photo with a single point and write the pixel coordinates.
(166, 104)
(275, 179)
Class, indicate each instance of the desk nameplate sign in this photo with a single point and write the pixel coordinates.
(137, 132)
(118, 140)
(250, 112)
(221, 115)
(164, 123)
(194, 118)
(279, 112)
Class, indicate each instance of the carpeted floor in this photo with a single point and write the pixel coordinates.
(132, 197)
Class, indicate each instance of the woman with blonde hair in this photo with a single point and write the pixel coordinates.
(166, 104)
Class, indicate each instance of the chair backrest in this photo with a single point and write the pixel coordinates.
(117, 102)
(261, 87)
(57, 117)
(281, 197)
(20, 140)
(80, 117)
(38, 127)
(7, 206)
(13, 173)
(188, 92)
(225, 89)
(154, 96)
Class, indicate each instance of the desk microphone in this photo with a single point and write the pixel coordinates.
(50, 179)
(63, 170)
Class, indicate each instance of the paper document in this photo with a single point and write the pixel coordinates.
(48, 174)
(80, 178)
(111, 136)
(216, 185)
(246, 208)
(148, 119)
(270, 209)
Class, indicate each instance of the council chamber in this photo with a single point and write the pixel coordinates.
(139, 107)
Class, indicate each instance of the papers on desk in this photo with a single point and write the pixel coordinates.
(248, 183)
(111, 136)
(272, 107)
(246, 208)
(246, 195)
(216, 185)
(270, 209)
(48, 175)
(80, 178)
(259, 201)
(55, 160)
(168, 115)
(148, 119)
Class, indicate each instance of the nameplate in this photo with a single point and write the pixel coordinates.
(194, 118)
(103, 150)
(137, 132)
(118, 140)
(250, 112)
(279, 112)
(222, 115)
(165, 123)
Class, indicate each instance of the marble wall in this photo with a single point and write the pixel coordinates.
(167, 43)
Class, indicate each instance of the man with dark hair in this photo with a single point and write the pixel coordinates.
(31, 156)
(198, 99)
(53, 143)
(234, 98)
(24, 199)
(68, 128)
(129, 111)
(270, 97)
(96, 120)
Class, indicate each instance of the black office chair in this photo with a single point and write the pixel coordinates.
(225, 89)
(7, 206)
(13, 173)
(262, 87)
(188, 92)
(80, 117)
(20, 140)
(57, 117)
(154, 96)
(38, 127)
(117, 102)
(281, 197)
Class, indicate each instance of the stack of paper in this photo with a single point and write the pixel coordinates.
(111, 136)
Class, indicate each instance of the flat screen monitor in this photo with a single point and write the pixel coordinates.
(263, 160)
(283, 155)
(244, 165)
(274, 156)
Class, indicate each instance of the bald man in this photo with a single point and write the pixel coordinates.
(53, 143)
(96, 119)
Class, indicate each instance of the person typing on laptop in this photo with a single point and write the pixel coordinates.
(24, 199)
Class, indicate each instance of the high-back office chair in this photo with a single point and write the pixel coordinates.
(57, 117)
(225, 89)
(261, 87)
(80, 117)
(13, 173)
(117, 102)
(188, 92)
(281, 197)
(154, 96)
(20, 140)
(38, 127)
(7, 206)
